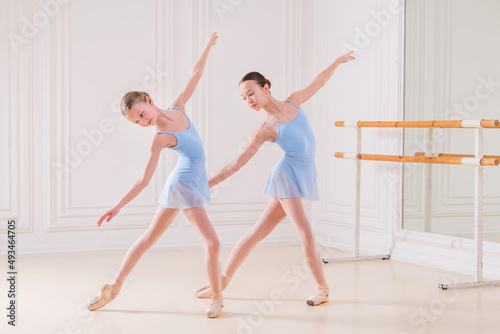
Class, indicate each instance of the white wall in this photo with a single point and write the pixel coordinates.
(67, 78)
(366, 89)
(70, 154)
(72, 73)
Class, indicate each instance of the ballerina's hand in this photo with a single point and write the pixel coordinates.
(346, 57)
(212, 39)
(110, 214)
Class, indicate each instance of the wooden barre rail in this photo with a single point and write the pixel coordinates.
(450, 155)
(484, 123)
(419, 159)
(443, 158)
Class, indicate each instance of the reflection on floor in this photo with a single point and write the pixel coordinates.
(267, 295)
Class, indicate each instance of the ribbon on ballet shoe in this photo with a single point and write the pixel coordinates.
(107, 294)
(216, 307)
(321, 297)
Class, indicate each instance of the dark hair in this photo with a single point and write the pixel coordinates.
(256, 76)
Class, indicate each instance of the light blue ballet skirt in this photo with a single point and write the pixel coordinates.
(295, 174)
(187, 185)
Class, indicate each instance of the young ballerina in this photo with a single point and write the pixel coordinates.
(291, 179)
(186, 188)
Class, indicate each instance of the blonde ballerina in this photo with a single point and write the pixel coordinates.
(186, 188)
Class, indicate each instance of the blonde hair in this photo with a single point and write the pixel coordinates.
(132, 98)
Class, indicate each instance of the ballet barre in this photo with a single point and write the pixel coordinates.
(451, 160)
(428, 203)
(450, 155)
(483, 123)
(478, 161)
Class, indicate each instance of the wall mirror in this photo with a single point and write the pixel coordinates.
(451, 72)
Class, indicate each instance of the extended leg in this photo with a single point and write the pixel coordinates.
(200, 222)
(270, 218)
(294, 209)
(162, 219)
(273, 214)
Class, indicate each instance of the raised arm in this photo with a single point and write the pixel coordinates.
(263, 134)
(159, 142)
(321, 79)
(196, 73)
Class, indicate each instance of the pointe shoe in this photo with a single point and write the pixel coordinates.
(319, 298)
(107, 294)
(216, 307)
(206, 291)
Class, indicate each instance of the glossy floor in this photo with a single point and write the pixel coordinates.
(267, 295)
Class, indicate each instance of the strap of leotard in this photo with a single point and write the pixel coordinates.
(292, 103)
(172, 133)
(277, 129)
(174, 107)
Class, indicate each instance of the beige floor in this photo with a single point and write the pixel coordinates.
(266, 296)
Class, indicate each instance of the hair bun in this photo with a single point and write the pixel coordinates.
(259, 78)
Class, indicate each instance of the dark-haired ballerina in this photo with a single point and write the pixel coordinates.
(291, 179)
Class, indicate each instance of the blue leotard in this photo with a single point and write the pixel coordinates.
(295, 174)
(187, 185)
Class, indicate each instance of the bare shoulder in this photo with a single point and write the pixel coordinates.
(296, 98)
(266, 132)
(179, 103)
(162, 140)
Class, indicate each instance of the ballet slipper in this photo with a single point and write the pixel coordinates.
(107, 294)
(206, 291)
(216, 307)
(321, 297)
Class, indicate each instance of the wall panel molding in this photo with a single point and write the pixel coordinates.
(19, 120)
(223, 213)
(339, 214)
(61, 214)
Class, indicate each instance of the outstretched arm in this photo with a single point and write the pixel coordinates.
(158, 143)
(263, 134)
(196, 73)
(321, 79)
